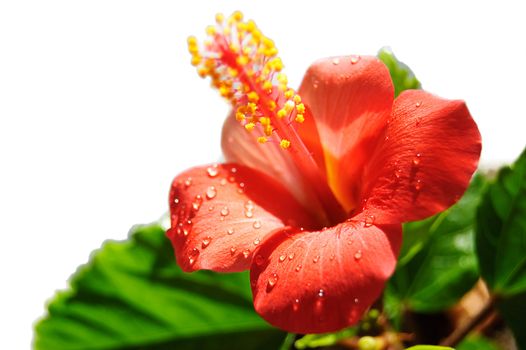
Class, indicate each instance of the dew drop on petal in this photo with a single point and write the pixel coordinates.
(282, 258)
(296, 305)
(212, 171)
(256, 224)
(331, 258)
(398, 173)
(358, 255)
(193, 256)
(197, 203)
(211, 192)
(188, 182)
(418, 185)
(259, 259)
(369, 221)
(233, 170)
(272, 280)
(355, 59)
(418, 104)
(291, 256)
(416, 159)
(336, 61)
(249, 213)
(230, 231)
(321, 293)
(249, 205)
(176, 201)
(225, 211)
(315, 259)
(356, 300)
(246, 253)
(232, 250)
(298, 268)
(206, 241)
(257, 241)
(223, 182)
(210, 208)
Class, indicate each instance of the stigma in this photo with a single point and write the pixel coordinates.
(244, 67)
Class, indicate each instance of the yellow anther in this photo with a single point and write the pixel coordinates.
(297, 99)
(196, 60)
(220, 18)
(211, 30)
(253, 96)
(267, 85)
(224, 91)
(237, 16)
(299, 118)
(284, 144)
(282, 78)
(242, 60)
(281, 113)
(251, 108)
(240, 116)
(271, 105)
(250, 126)
(289, 93)
(268, 130)
(264, 121)
(289, 106)
(300, 108)
(203, 72)
(232, 72)
(262, 139)
(192, 41)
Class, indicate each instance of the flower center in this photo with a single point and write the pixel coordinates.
(243, 65)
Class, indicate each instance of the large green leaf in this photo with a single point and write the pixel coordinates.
(437, 264)
(132, 295)
(402, 76)
(477, 343)
(501, 244)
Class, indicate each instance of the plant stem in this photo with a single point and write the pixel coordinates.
(458, 334)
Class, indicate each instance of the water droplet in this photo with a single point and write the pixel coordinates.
(197, 203)
(223, 182)
(256, 224)
(416, 159)
(272, 280)
(224, 211)
(398, 173)
(291, 256)
(336, 61)
(418, 104)
(231, 179)
(418, 185)
(210, 208)
(259, 260)
(188, 182)
(206, 241)
(176, 201)
(355, 59)
(233, 170)
(296, 305)
(315, 259)
(249, 214)
(331, 258)
(232, 250)
(298, 268)
(282, 258)
(369, 221)
(356, 300)
(246, 253)
(358, 255)
(257, 241)
(230, 231)
(211, 192)
(193, 256)
(315, 83)
(212, 171)
(321, 293)
(249, 205)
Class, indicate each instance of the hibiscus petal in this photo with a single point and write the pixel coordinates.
(221, 213)
(240, 146)
(350, 99)
(316, 282)
(431, 149)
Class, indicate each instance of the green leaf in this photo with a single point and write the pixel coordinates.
(437, 264)
(477, 343)
(402, 76)
(327, 339)
(132, 295)
(429, 347)
(501, 244)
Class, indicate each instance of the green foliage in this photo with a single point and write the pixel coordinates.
(132, 295)
(477, 343)
(402, 76)
(501, 244)
(429, 347)
(318, 340)
(437, 265)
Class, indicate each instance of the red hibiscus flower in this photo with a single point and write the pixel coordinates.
(314, 207)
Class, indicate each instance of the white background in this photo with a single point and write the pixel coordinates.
(100, 109)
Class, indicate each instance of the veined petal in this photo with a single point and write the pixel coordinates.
(350, 99)
(316, 282)
(221, 213)
(240, 146)
(430, 150)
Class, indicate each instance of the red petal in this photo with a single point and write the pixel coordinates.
(350, 99)
(316, 282)
(221, 213)
(430, 151)
(241, 147)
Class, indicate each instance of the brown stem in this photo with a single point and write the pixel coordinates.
(458, 334)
